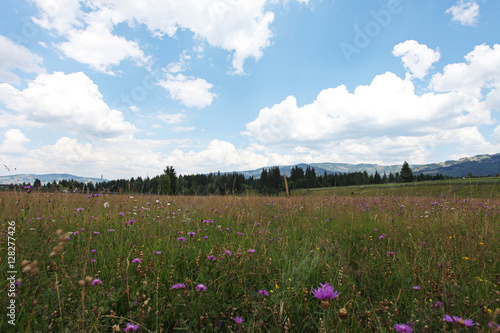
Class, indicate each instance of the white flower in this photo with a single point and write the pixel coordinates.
(106, 204)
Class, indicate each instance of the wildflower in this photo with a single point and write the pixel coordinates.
(228, 252)
(458, 320)
(424, 243)
(205, 237)
(136, 260)
(212, 258)
(201, 287)
(131, 327)
(93, 251)
(251, 251)
(80, 209)
(106, 205)
(191, 234)
(96, 281)
(491, 324)
(130, 222)
(238, 320)
(382, 236)
(96, 232)
(157, 252)
(465, 258)
(178, 286)
(390, 253)
(437, 305)
(121, 214)
(181, 239)
(263, 292)
(415, 287)
(325, 292)
(111, 230)
(403, 327)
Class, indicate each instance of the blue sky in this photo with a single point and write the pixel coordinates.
(124, 88)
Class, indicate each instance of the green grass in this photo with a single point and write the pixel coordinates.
(299, 243)
(487, 188)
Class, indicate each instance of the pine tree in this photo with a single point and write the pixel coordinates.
(406, 175)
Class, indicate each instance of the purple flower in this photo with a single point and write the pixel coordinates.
(238, 320)
(157, 252)
(228, 252)
(178, 286)
(325, 291)
(181, 239)
(136, 260)
(27, 187)
(424, 244)
(212, 258)
(111, 230)
(251, 251)
(490, 325)
(80, 209)
(130, 222)
(458, 320)
(96, 281)
(96, 232)
(382, 236)
(263, 292)
(415, 287)
(403, 328)
(390, 253)
(93, 251)
(93, 260)
(201, 287)
(437, 305)
(191, 234)
(131, 327)
(121, 214)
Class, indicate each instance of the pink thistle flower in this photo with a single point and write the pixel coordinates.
(136, 260)
(406, 328)
(181, 239)
(131, 327)
(96, 282)
(263, 292)
(201, 287)
(325, 291)
(178, 286)
(238, 320)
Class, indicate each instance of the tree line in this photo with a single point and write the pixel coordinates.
(271, 182)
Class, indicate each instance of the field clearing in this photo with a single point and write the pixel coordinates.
(250, 264)
(486, 188)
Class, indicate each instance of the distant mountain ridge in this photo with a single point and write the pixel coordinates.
(479, 165)
(47, 178)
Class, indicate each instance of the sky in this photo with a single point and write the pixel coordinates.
(124, 88)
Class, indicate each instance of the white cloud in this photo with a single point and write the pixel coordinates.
(217, 156)
(238, 26)
(171, 118)
(481, 69)
(417, 58)
(67, 103)
(97, 47)
(14, 142)
(190, 91)
(465, 12)
(387, 120)
(14, 56)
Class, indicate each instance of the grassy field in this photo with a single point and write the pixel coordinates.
(87, 263)
(487, 188)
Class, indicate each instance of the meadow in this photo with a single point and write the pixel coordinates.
(321, 263)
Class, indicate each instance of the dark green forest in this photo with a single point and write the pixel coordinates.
(270, 182)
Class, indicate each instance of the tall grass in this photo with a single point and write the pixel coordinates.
(373, 250)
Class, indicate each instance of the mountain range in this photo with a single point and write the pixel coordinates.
(46, 178)
(479, 166)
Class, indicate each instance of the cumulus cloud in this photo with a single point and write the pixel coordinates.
(14, 142)
(191, 91)
(171, 118)
(388, 119)
(67, 103)
(14, 56)
(237, 26)
(218, 155)
(417, 58)
(465, 12)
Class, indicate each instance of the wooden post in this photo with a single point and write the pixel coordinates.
(286, 186)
